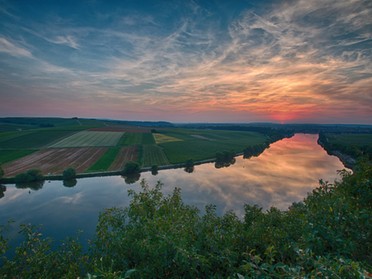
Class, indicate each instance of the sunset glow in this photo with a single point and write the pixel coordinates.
(188, 61)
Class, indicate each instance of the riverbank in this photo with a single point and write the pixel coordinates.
(347, 160)
(11, 180)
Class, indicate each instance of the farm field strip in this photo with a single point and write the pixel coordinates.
(131, 139)
(137, 138)
(105, 161)
(55, 161)
(89, 138)
(162, 138)
(90, 159)
(28, 162)
(148, 138)
(34, 139)
(126, 154)
(154, 155)
(11, 155)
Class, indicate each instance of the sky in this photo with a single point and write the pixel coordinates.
(285, 61)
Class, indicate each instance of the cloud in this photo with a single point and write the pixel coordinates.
(285, 61)
(7, 47)
(65, 40)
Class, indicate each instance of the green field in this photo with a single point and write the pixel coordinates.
(147, 138)
(201, 144)
(31, 139)
(106, 160)
(154, 155)
(10, 155)
(137, 138)
(359, 140)
(89, 138)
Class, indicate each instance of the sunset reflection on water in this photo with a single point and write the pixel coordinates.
(281, 175)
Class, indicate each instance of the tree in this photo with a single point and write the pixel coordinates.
(1, 172)
(69, 173)
(29, 176)
(189, 166)
(131, 168)
(225, 159)
(154, 170)
(2, 190)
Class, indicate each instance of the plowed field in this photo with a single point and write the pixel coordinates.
(56, 160)
(126, 154)
(154, 155)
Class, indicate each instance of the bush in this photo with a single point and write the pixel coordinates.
(1, 172)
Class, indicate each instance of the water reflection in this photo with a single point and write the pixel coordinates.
(33, 185)
(132, 178)
(70, 182)
(281, 175)
(2, 190)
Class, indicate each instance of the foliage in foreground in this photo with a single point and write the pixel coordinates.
(157, 236)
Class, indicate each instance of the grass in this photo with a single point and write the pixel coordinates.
(11, 155)
(35, 139)
(154, 155)
(105, 161)
(90, 138)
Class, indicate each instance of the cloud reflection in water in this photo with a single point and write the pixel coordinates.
(283, 174)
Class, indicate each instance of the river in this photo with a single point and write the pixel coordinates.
(281, 175)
